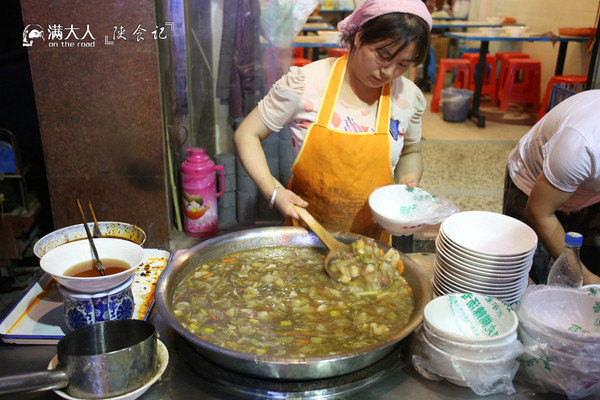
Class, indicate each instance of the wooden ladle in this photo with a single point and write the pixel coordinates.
(334, 245)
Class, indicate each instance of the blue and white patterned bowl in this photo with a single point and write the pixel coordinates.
(82, 309)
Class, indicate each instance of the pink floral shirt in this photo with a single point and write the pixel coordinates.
(295, 99)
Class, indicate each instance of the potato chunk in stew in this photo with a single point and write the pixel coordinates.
(278, 301)
(367, 265)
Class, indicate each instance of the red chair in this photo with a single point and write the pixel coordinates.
(298, 57)
(502, 58)
(570, 81)
(522, 83)
(489, 79)
(463, 72)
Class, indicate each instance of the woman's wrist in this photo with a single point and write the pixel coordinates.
(274, 195)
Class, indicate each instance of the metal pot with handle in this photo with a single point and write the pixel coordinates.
(102, 360)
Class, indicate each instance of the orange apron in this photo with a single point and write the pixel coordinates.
(336, 170)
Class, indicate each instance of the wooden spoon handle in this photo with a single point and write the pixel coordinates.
(323, 234)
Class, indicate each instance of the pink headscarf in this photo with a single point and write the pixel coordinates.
(370, 9)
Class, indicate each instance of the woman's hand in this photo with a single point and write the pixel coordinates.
(410, 180)
(285, 200)
(410, 166)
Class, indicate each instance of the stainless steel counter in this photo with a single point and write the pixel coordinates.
(181, 381)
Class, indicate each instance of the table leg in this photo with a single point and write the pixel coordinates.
(560, 61)
(479, 76)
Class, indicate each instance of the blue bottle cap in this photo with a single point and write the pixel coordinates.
(573, 239)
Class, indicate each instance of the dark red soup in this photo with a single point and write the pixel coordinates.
(87, 269)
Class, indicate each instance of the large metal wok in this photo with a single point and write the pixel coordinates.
(276, 367)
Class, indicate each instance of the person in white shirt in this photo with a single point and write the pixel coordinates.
(553, 182)
(355, 121)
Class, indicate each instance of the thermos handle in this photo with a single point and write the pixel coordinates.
(220, 169)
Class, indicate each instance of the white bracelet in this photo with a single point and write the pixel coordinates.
(272, 201)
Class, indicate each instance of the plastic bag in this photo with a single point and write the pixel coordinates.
(483, 377)
(282, 20)
(562, 352)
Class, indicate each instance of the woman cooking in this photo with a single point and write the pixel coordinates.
(355, 121)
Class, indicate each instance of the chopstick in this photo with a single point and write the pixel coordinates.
(97, 261)
(97, 232)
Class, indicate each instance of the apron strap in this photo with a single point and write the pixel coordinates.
(330, 96)
(384, 110)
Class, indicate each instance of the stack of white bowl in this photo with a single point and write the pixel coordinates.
(483, 252)
(470, 340)
(560, 328)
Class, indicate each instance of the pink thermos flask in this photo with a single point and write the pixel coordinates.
(200, 193)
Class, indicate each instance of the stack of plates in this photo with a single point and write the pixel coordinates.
(485, 253)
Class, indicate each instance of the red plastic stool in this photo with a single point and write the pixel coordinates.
(575, 81)
(298, 57)
(522, 83)
(502, 58)
(337, 52)
(463, 71)
(489, 79)
(300, 62)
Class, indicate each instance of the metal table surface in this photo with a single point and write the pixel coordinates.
(180, 381)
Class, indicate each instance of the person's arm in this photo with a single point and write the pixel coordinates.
(247, 140)
(542, 204)
(409, 168)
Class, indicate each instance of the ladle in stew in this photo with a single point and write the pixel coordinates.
(376, 273)
(335, 246)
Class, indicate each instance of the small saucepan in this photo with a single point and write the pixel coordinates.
(106, 359)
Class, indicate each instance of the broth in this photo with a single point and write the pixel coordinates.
(87, 269)
(278, 301)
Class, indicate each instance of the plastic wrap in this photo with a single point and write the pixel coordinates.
(404, 211)
(559, 329)
(282, 20)
(507, 349)
(484, 377)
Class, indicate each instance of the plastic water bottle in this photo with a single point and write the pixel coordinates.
(566, 270)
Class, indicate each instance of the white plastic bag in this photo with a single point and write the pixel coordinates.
(483, 377)
(404, 211)
(282, 20)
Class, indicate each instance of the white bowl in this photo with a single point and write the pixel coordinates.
(111, 229)
(470, 318)
(509, 348)
(483, 265)
(463, 252)
(329, 36)
(57, 261)
(495, 20)
(494, 288)
(489, 233)
(514, 31)
(494, 275)
(492, 32)
(469, 372)
(401, 210)
(559, 377)
(450, 272)
(584, 361)
(566, 312)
